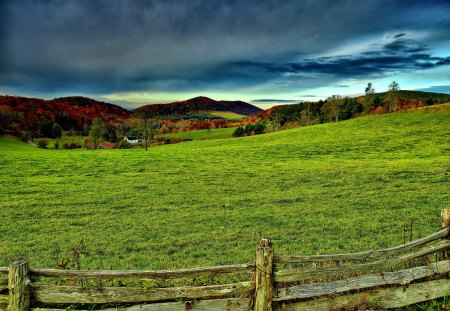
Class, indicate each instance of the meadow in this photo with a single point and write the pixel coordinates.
(328, 188)
(228, 115)
(204, 134)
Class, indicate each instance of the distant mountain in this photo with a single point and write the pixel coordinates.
(33, 114)
(201, 104)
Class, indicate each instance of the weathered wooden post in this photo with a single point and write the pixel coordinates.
(264, 276)
(18, 285)
(446, 223)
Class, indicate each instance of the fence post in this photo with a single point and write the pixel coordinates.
(18, 285)
(264, 276)
(446, 223)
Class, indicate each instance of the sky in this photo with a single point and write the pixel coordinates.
(132, 52)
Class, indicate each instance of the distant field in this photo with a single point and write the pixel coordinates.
(327, 188)
(204, 134)
(204, 115)
(66, 140)
(227, 115)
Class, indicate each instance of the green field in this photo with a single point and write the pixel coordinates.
(227, 115)
(328, 188)
(65, 140)
(204, 134)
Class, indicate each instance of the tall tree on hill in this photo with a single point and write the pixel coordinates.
(144, 117)
(392, 95)
(368, 97)
(332, 107)
(277, 119)
(305, 115)
(96, 132)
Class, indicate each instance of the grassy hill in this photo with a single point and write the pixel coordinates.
(420, 95)
(328, 188)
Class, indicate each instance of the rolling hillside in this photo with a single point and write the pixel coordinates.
(329, 188)
(420, 95)
(29, 114)
(29, 117)
(309, 113)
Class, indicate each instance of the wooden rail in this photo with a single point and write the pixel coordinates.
(62, 294)
(364, 255)
(138, 274)
(230, 304)
(293, 275)
(391, 297)
(278, 282)
(3, 284)
(402, 277)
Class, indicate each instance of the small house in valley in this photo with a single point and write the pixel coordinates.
(131, 139)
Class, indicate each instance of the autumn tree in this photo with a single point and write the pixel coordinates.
(110, 133)
(305, 115)
(393, 95)
(278, 119)
(332, 107)
(96, 132)
(144, 118)
(368, 97)
(350, 108)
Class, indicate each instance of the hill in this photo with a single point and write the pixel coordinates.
(201, 104)
(323, 111)
(208, 202)
(33, 117)
(18, 114)
(428, 97)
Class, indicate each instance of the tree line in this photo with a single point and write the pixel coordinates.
(336, 107)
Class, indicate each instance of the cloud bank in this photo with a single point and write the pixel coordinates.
(101, 47)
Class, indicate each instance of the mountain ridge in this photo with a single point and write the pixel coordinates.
(20, 114)
(201, 103)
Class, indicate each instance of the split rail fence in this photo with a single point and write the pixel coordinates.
(387, 278)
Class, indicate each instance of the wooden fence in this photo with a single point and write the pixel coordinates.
(388, 278)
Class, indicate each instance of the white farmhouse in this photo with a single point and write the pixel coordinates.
(131, 139)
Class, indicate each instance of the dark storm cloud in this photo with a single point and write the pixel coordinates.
(103, 46)
(399, 35)
(399, 55)
(405, 46)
